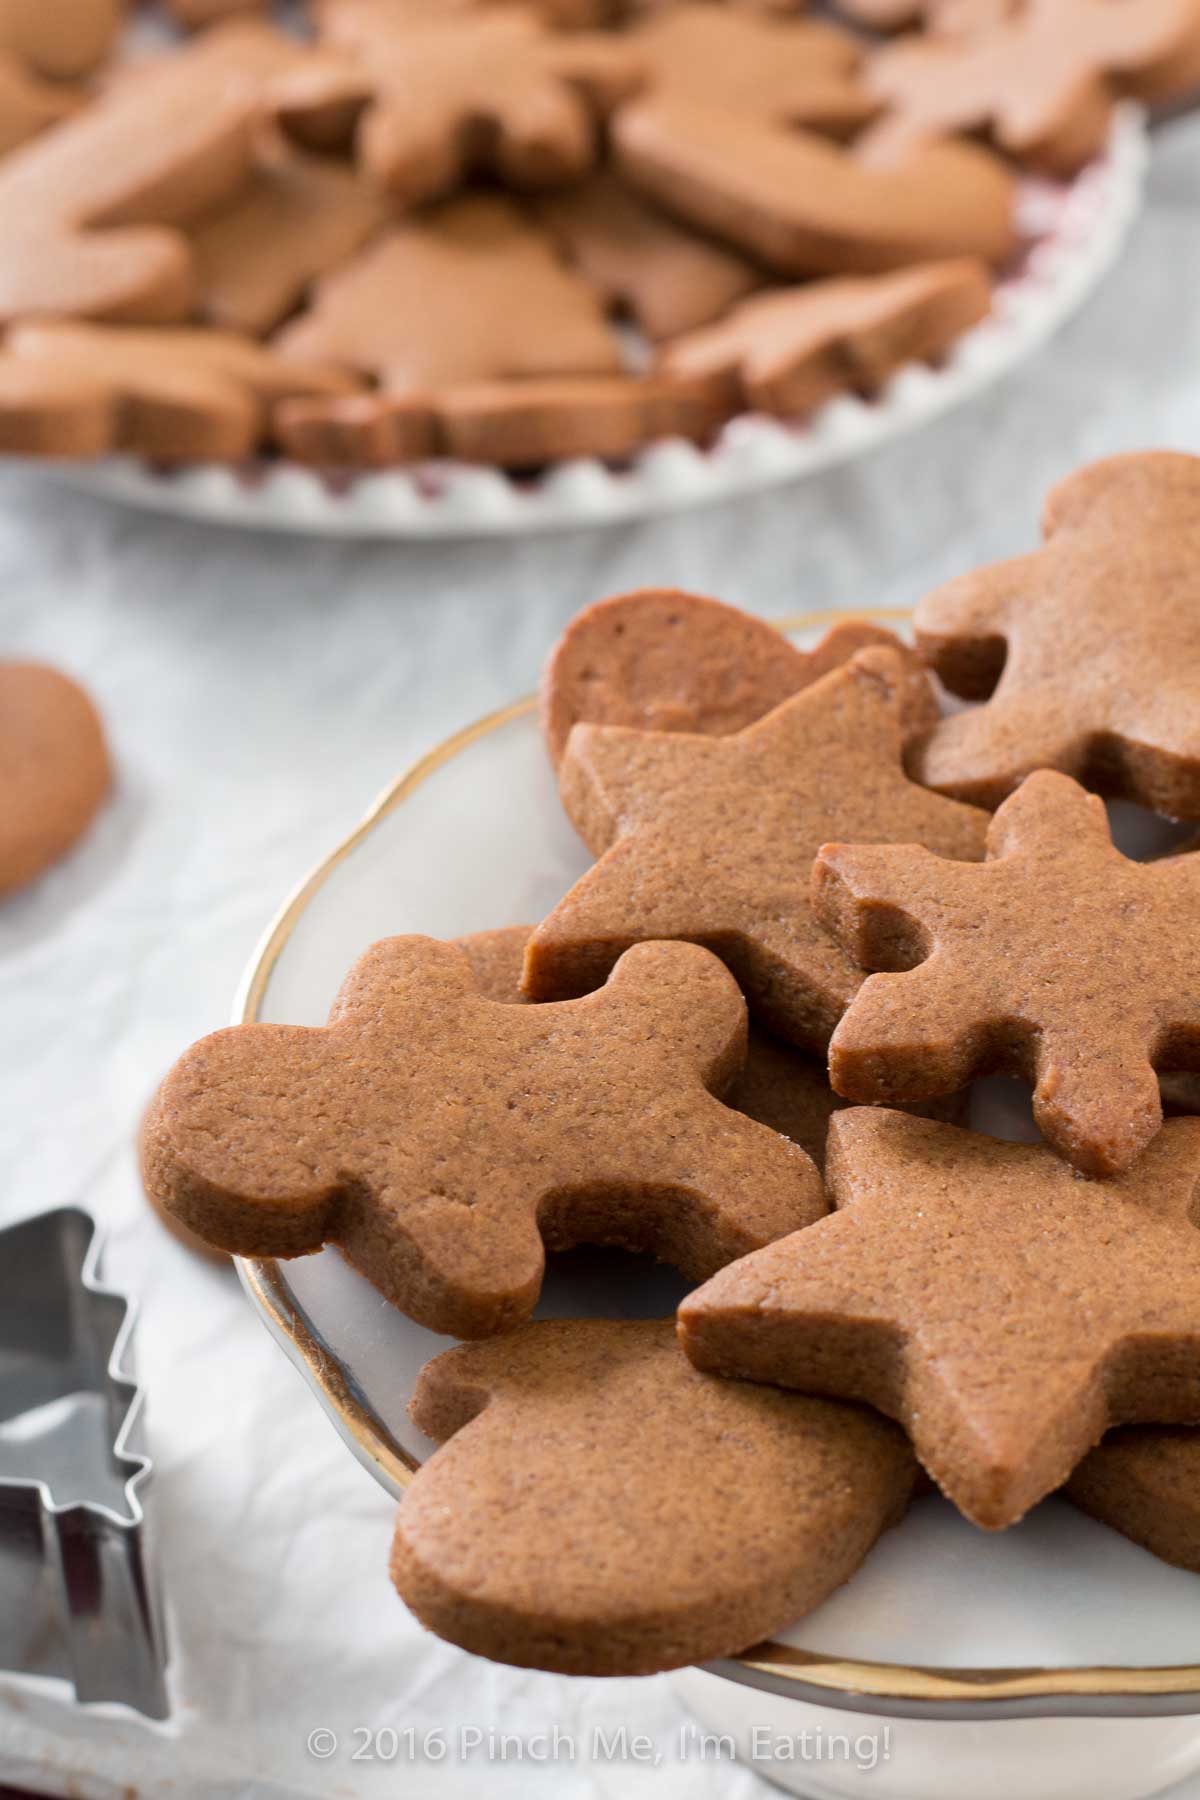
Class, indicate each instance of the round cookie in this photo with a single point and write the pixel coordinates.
(54, 769)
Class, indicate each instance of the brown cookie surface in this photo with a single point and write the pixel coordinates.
(54, 769)
(416, 309)
(542, 1533)
(792, 349)
(425, 105)
(512, 424)
(713, 839)
(87, 208)
(61, 42)
(660, 659)
(442, 1139)
(1057, 959)
(780, 70)
(1089, 648)
(174, 395)
(1144, 1481)
(1040, 79)
(644, 264)
(28, 104)
(1004, 1311)
(778, 1086)
(806, 206)
(297, 218)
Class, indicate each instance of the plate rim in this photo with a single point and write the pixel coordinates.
(896, 1689)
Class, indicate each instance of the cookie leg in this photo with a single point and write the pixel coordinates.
(465, 1270)
(1098, 1105)
(906, 1038)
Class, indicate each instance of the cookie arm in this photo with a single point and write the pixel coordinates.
(962, 626)
(235, 1144)
(880, 901)
(1096, 1096)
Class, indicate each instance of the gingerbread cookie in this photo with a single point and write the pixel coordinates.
(1043, 79)
(298, 217)
(86, 206)
(172, 396)
(54, 769)
(1089, 647)
(28, 104)
(442, 1139)
(1005, 1312)
(416, 309)
(780, 71)
(644, 265)
(494, 92)
(197, 15)
(1057, 959)
(805, 206)
(713, 839)
(62, 41)
(1144, 1481)
(542, 1533)
(779, 1085)
(659, 659)
(509, 424)
(792, 349)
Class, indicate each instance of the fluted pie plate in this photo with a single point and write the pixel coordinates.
(1055, 1659)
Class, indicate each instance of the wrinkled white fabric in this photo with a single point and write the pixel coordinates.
(259, 691)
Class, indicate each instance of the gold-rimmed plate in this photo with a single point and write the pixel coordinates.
(1059, 1615)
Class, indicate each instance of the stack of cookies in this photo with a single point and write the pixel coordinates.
(512, 233)
(740, 1044)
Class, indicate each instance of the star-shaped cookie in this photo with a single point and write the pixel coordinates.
(1091, 645)
(713, 840)
(1004, 1311)
(442, 1138)
(1057, 959)
(543, 1534)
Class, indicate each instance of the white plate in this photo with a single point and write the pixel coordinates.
(1075, 234)
(475, 837)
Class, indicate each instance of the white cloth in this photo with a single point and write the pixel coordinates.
(259, 691)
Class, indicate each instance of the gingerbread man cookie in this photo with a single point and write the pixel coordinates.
(54, 769)
(713, 839)
(494, 92)
(173, 396)
(416, 309)
(790, 350)
(660, 659)
(806, 206)
(645, 266)
(1088, 647)
(442, 1139)
(542, 1533)
(86, 206)
(1005, 1312)
(1057, 959)
(779, 1085)
(1144, 1481)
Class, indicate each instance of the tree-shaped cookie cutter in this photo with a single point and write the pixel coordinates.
(77, 1597)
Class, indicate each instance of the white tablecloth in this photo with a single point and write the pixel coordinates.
(259, 691)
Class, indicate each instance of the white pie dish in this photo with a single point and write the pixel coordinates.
(1046, 1660)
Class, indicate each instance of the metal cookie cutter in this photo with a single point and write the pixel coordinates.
(76, 1595)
